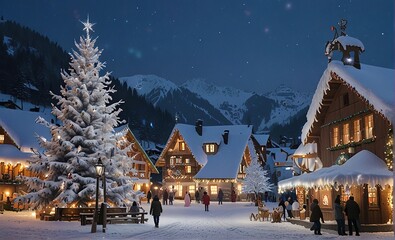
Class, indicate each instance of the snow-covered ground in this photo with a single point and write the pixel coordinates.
(228, 221)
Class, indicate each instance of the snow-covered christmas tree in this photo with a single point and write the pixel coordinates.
(65, 174)
(256, 180)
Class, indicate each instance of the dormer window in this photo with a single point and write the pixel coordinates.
(210, 148)
(1, 138)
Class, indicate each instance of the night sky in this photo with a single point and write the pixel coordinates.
(251, 45)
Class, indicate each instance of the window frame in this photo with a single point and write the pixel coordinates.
(369, 126)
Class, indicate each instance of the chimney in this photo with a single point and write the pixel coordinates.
(226, 136)
(199, 127)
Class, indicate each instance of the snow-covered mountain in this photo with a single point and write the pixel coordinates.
(229, 101)
(197, 99)
(288, 103)
(152, 87)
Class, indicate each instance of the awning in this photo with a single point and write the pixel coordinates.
(363, 168)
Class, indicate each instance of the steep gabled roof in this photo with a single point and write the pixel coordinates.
(21, 126)
(223, 164)
(125, 130)
(373, 84)
(261, 138)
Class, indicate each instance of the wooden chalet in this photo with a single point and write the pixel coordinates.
(17, 143)
(349, 129)
(206, 158)
(142, 164)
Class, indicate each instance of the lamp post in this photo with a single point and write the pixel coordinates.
(99, 171)
(104, 204)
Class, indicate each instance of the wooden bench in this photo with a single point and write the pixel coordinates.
(124, 217)
(73, 214)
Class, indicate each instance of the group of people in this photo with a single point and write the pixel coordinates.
(289, 205)
(351, 209)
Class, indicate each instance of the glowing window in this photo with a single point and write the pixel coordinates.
(178, 160)
(1, 138)
(188, 169)
(357, 130)
(369, 126)
(191, 188)
(182, 146)
(372, 197)
(214, 190)
(346, 133)
(187, 161)
(210, 148)
(172, 160)
(335, 136)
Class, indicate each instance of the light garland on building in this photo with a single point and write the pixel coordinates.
(388, 153)
(215, 180)
(351, 144)
(346, 118)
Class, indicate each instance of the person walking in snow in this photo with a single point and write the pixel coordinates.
(197, 196)
(220, 196)
(339, 217)
(233, 196)
(165, 196)
(171, 197)
(282, 204)
(288, 205)
(352, 211)
(187, 200)
(156, 210)
(316, 215)
(149, 195)
(206, 201)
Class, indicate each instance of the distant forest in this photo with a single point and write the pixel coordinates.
(30, 66)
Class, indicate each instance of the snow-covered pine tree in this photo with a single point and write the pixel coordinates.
(65, 175)
(256, 180)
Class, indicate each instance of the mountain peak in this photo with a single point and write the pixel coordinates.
(153, 87)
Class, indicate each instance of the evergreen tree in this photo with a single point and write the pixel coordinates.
(256, 180)
(65, 175)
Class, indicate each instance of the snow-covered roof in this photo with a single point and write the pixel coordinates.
(349, 41)
(375, 84)
(363, 168)
(306, 149)
(22, 128)
(225, 163)
(123, 131)
(262, 138)
(10, 154)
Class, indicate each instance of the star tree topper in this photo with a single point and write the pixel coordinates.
(88, 26)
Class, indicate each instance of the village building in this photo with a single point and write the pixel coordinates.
(18, 142)
(207, 158)
(347, 140)
(142, 164)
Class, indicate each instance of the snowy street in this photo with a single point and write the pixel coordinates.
(228, 221)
